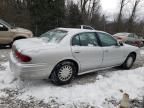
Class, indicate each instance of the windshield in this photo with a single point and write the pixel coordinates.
(5, 23)
(53, 36)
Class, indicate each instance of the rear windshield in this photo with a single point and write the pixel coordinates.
(53, 36)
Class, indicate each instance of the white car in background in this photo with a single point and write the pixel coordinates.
(86, 27)
(63, 53)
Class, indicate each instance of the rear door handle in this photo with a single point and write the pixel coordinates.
(77, 52)
(106, 51)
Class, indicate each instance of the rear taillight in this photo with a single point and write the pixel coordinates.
(22, 57)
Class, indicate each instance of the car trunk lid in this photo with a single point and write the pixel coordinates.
(31, 44)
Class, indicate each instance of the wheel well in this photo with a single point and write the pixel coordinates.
(75, 63)
(19, 37)
(70, 60)
(133, 53)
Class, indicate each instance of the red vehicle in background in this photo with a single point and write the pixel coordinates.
(129, 38)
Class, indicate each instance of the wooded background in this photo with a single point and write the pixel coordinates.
(42, 15)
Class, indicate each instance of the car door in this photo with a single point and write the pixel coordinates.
(113, 53)
(86, 50)
(5, 34)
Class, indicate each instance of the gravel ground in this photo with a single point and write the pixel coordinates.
(11, 101)
(4, 55)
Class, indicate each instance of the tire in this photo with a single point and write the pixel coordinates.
(129, 61)
(63, 73)
(10, 45)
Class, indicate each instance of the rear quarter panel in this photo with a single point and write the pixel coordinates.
(50, 56)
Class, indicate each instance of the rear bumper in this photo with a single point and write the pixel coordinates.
(28, 71)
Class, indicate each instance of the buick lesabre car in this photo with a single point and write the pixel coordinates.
(63, 53)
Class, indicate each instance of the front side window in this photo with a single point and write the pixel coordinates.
(3, 28)
(53, 36)
(76, 41)
(106, 39)
(5, 23)
(85, 39)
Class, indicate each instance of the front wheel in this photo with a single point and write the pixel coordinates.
(129, 61)
(63, 73)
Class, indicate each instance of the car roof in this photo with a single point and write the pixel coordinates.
(77, 30)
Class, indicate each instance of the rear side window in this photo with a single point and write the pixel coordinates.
(85, 39)
(76, 41)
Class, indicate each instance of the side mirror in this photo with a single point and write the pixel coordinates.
(1, 26)
(120, 43)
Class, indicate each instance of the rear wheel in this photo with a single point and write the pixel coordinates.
(129, 61)
(63, 73)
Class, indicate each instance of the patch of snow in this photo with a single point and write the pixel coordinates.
(142, 52)
(6, 76)
(99, 77)
(3, 56)
(2, 94)
(113, 86)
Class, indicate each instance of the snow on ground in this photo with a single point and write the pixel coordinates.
(6, 76)
(107, 87)
(142, 52)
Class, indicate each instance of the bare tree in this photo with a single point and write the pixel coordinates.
(133, 15)
(73, 17)
(89, 10)
(120, 15)
(83, 9)
(89, 6)
(95, 7)
(83, 4)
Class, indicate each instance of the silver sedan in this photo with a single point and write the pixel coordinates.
(63, 53)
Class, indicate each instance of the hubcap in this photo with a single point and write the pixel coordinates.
(129, 61)
(65, 73)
